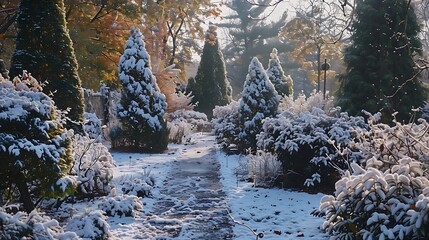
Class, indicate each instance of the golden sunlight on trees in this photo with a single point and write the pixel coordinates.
(312, 46)
(99, 30)
(178, 25)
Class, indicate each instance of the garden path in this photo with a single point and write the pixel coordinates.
(192, 201)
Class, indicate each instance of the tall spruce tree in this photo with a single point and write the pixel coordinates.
(210, 86)
(44, 48)
(380, 73)
(250, 35)
(282, 83)
(259, 100)
(142, 106)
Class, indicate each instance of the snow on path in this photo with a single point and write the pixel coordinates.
(195, 184)
(188, 200)
(277, 213)
(194, 195)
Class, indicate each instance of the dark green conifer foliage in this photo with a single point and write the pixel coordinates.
(44, 49)
(282, 83)
(380, 73)
(210, 86)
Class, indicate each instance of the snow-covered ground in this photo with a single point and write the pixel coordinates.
(175, 212)
(277, 213)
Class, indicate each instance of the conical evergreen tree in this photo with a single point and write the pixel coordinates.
(210, 86)
(44, 48)
(259, 100)
(282, 83)
(142, 106)
(380, 73)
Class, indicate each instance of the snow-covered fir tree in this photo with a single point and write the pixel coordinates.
(142, 106)
(210, 86)
(259, 100)
(35, 149)
(282, 83)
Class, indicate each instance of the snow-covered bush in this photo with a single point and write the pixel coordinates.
(35, 148)
(372, 204)
(13, 226)
(313, 147)
(302, 103)
(264, 168)
(31, 226)
(225, 124)
(389, 198)
(182, 123)
(140, 185)
(142, 106)
(259, 100)
(93, 166)
(124, 205)
(391, 143)
(92, 126)
(90, 225)
(178, 130)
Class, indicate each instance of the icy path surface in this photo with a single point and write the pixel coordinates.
(194, 196)
(195, 184)
(188, 200)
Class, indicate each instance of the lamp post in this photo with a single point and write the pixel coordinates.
(325, 67)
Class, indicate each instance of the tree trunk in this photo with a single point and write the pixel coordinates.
(24, 194)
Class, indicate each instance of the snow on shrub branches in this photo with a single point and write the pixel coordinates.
(92, 126)
(312, 146)
(225, 122)
(182, 123)
(33, 225)
(372, 204)
(90, 224)
(93, 166)
(389, 198)
(124, 205)
(35, 148)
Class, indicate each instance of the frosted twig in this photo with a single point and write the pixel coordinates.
(258, 235)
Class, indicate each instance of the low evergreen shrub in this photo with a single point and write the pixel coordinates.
(314, 148)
